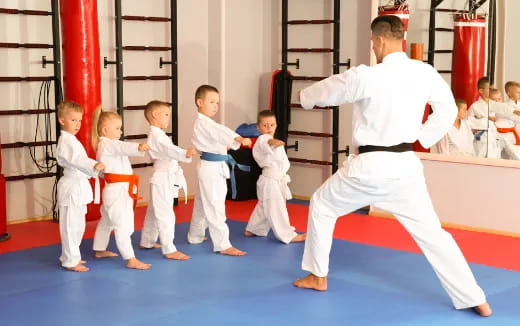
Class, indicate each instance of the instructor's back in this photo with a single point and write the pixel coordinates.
(389, 101)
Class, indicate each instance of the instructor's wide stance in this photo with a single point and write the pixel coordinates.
(389, 101)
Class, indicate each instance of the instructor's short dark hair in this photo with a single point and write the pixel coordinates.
(388, 26)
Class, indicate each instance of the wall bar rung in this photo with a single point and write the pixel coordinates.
(144, 18)
(25, 12)
(146, 48)
(147, 77)
(20, 112)
(308, 78)
(30, 176)
(311, 50)
(28, 79)
(21, 144)
(309, 133)
(302, 160)
(299, 106)
(307, 22)
(26, 45)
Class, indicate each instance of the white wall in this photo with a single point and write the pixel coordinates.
(32, 198)
(354, 44)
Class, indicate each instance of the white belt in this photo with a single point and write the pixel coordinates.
(283, 179)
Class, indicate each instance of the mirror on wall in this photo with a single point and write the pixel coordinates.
(466, 40)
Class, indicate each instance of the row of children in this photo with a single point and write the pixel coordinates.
(491, 126)
(120, 194)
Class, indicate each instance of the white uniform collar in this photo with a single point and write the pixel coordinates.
(203, 116)
(66, 133)
(155, 129)
(394, 56)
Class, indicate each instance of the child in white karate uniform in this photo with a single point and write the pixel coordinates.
(74, 190)
(212, 140)
(460, 139)
(121, 185)
(272, 186)
(165, 182)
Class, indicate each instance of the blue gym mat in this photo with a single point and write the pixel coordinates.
(367, 286)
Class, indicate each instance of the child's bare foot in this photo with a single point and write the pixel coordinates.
(82, 262)
(313, 282)
(177, 255)
(105, 254)
(155, 246)
(483, 310)
(232, 251)
(299, 237)
(78, 268)
(249, 233)
(135, 263)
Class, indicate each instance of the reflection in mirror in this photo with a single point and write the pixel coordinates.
(469, 43)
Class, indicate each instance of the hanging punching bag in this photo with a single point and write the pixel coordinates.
(280, 102)
(469, 55)
(400, 11)
(81, 67)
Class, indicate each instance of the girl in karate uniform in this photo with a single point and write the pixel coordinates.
(121, 185)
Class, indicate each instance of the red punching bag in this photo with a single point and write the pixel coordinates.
(81, 67)
(400, 11)
(469, 55)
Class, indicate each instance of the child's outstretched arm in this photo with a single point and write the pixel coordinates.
(172, 151)
(67, 156)
(123, 148)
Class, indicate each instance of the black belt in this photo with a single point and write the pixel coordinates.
(399, 148)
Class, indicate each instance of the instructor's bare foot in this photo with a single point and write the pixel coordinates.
(249, 234)
(232, 251)
(313, 282)
(135, 263)
(155, 246)
(484, 310)
(78, 268)
(177, 255)
(105, 254)
(299, 238)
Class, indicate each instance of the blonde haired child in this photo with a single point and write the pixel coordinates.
(74, 190)
(121, 185)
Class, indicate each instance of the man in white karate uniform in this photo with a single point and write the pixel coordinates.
(388, 106)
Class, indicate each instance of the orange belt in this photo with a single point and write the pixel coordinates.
(513, 130)
(133, 183)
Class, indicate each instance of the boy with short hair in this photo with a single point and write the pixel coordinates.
(272, 185)
(165, 182)
(74, 190)
(212, 140)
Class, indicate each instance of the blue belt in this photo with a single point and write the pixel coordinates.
(479, 134)
(212, 157)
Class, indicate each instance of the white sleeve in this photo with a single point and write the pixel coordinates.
(335, 90)
(122, 148)
(226, 136)
(444, 112)
(166, 147)
(504, 111)
(67, 156)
